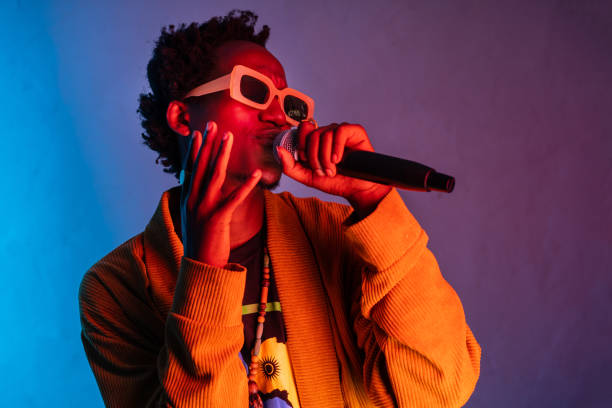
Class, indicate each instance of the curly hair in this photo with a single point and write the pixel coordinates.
(182, 59)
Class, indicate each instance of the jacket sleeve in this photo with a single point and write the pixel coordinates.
(197, 363)
(409, 322)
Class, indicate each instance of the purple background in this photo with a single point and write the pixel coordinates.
(512, 98)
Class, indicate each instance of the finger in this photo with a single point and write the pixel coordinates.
(194, 147)
(185, 176)
(341, 136)
(217, 146)
(201, 162)
(240, 193)
(293, 168)
(325, 151)
(220, 170)
(304, 129)
(312, 151)
(357, 138)
(196, 142)
(186, 162)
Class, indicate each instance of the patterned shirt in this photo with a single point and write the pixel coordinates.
(275, 377)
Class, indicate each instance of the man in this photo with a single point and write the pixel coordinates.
(234, 296)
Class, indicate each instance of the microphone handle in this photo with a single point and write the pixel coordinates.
(401, 173)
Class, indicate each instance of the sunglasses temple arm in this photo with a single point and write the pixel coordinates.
(219, 84)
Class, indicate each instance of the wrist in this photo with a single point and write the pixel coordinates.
(365, 203)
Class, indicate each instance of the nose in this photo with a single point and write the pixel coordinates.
(274, 113)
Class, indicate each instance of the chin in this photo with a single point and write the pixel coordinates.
(270, 179)
(268, 186)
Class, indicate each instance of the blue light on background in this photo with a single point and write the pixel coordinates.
(53, 226)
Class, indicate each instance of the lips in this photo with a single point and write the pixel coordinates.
(267, 142)
(267, 137)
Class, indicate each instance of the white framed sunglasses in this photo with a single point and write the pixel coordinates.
(256, 90)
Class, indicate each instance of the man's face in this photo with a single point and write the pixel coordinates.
(253, 129)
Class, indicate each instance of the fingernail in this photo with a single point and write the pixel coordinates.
(335, 158)
(320, 172)
(329, 172)
(256, 173)
(226, 136)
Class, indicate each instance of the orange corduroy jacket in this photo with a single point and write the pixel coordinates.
(369, 319)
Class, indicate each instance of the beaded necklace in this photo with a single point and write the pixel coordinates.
(254, 398)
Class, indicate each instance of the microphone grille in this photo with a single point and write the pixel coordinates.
(287, 140)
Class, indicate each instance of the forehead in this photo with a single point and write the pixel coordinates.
(251, 55)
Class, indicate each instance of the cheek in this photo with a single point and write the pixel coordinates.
(228, 114)
(238, 117)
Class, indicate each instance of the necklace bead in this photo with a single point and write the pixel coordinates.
(254, 398)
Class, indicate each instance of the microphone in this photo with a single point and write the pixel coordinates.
(376, 167)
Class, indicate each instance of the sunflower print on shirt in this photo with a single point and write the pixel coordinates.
(275, 378)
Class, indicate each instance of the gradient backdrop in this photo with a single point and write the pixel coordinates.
(512, 98)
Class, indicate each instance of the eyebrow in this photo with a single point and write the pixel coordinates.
(275, 78)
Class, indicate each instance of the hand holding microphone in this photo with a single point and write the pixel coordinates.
(357, 159)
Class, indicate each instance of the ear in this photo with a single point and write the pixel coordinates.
(177, 116)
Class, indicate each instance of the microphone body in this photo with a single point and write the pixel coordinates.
(376, 167)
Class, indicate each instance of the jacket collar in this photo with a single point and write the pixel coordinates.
(305, 306)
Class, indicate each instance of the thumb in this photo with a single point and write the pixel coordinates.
(291, 167)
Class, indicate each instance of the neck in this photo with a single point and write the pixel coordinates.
(247, 220)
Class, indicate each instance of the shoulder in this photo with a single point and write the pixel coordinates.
(314, 207)
(114, 287)
(123, 265)
(321, 221)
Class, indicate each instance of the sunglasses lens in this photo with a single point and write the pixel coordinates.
(295, 108)
(253, 89)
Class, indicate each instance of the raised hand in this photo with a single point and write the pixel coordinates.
(206, 212)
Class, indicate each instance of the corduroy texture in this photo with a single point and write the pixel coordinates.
(368, 316)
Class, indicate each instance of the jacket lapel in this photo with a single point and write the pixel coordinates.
(163, 251)
(305, 306)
